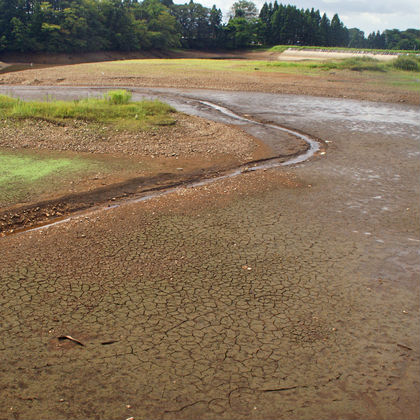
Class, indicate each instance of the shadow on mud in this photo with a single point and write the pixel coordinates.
(23, 218)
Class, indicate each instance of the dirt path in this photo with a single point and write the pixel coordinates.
(284, 294)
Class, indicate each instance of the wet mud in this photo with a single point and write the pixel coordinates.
(22, 218)
(289, 293)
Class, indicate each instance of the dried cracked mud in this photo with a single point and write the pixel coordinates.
(288, 293)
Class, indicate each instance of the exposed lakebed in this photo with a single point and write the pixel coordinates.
(288, 293)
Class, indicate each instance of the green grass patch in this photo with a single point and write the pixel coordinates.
(279, 48)
(115, 108)
(202, 68)
(353, 64)
(118, 97)
(163, 68)
(288, 64)
(407, 63)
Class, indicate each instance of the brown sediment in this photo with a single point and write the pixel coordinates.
(202, 149)
(284, 294)
(21, 218)
(246, 298)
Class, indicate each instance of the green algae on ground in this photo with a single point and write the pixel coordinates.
(22, 175)
(32, 176)
(29, 168)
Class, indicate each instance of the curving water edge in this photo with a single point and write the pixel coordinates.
(314, 146)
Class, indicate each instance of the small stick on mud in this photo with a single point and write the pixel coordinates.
(69, 337)
(105, 343)
(404, 347)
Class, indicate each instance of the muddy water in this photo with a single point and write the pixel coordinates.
(287, 293)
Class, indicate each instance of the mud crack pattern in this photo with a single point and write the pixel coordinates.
(287, 295)
(206, 318)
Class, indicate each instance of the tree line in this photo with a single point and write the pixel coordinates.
(55, 26)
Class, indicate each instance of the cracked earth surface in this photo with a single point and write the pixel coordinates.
(287, 293)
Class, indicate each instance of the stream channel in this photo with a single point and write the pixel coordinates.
(260, 114)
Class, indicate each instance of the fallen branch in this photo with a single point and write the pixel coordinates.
(105, 343)
(69, 337)
(404, 347)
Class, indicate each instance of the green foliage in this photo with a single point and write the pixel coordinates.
(406, 40)
(57, 26)
(115, 108)
(243, 9)
(240, 33)
(200, 27)
(85, 25)
(408, 63)
(118, 97)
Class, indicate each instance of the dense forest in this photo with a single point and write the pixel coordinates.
(130, 25)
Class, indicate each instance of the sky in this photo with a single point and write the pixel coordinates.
(368, 16)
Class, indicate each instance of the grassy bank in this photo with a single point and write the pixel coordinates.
(358, 78)
(281, 48)
(29, 175)
(114, 108)
(404, 63)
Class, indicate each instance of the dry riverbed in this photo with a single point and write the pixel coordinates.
(289, 293)
(281, 294)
